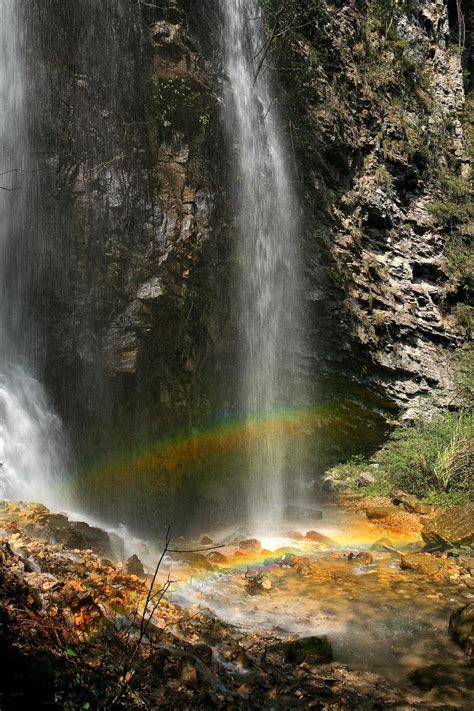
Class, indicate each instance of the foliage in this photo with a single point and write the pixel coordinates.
(431, 456)
(446, 499)
(465, 318)
(464, 376)
(381, 487)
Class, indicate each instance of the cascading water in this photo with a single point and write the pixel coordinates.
(269, 274)
(32, 450)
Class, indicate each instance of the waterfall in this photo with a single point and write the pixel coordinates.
(32, 449)
(269, 275)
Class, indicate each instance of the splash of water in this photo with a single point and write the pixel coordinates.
(32, 450)
(269, 273)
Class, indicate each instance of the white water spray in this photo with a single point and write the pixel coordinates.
(269, 273)
(32, 450)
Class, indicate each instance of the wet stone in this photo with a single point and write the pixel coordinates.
(250, 544)
(316, 537)
(424, 563)
(362, 558)
(381, 544)
(376, 513)
(134, 566)
(295, 535)
(216, 557)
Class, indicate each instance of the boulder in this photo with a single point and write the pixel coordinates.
(78, 534)
(381, 544)
(376, 513)
(450, 527)
(365, 479)
(362, 558)
(334, 486)
(250, 545)
(425, 564)
(295, 535)
(316, 537)
(411, 504)
(196, 560)
(216, 557)
(134, 566)
(461, 628)
(312, 650)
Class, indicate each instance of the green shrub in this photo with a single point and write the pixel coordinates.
(465, 317)
(446, 498)
(431, 456)
(451, 213)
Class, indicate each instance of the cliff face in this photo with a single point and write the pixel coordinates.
(378, 94)
(133, 233)
(124, 214)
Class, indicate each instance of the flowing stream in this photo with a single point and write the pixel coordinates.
(268, 270)
(32, 449)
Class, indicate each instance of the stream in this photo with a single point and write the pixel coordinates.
(377, 616)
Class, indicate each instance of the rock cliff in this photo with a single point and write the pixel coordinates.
(133, 231)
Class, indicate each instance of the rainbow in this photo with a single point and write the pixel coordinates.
(232, 435)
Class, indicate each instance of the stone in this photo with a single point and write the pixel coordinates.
(196, 560)
(467, 563)
(424, 509)
(363, 558)
(450, 527)
(251, 545)
(312, 650)
(411, 503)
(206, 541)
(381, 544)
(365, 479)
(216, 557)
(316, 537)
(78, 534)
(461, 628)
(295, 535)
(376, 513)
(302, 565)
(203, 652)
(134, 566)
(187, 674)
(424, 563)
(333, 486)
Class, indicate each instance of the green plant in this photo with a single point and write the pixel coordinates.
(465, 317)
(454, 462)
(382, 487)
(383, 177)
(445, 498)
(436, 455)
